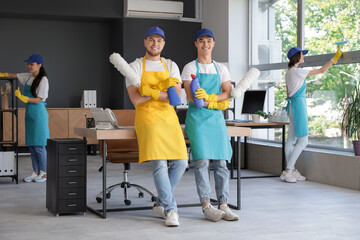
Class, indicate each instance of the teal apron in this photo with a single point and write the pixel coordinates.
(299, 111)
(206, 128)
(36, 121)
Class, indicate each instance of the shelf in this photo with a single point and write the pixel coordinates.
(7, 142)
(8, 110)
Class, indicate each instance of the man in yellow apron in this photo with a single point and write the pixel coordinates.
(158, 131)
(206, 128)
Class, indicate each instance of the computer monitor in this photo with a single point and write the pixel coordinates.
(253, 101)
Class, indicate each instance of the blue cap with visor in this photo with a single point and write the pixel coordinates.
(204, 32)
(35, 58)
(295, 50)
(155, 30)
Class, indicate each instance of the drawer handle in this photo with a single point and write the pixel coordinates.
(72, 182)
(72, 194)
(72, 148)
(72, 205)
(72, 160)
(72, 171)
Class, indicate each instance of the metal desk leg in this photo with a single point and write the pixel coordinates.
(102, 212)
(238, 180)
(233, 159)
(104, 178)
(283, 148)
(245, 153)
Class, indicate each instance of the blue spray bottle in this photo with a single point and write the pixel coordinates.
(195, 85)
(174, 98)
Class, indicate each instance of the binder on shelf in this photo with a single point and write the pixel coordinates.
(7, 163)
(88, 99)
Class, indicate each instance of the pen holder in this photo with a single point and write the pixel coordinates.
(90, 123)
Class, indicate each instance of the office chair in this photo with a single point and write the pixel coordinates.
(125, 152)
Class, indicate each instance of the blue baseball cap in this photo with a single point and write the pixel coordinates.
(295, 50)
(155, 30)
(35, 58)
(204, 32)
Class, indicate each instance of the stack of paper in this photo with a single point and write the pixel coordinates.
(88, 99)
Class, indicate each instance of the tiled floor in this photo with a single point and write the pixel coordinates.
(271, 209)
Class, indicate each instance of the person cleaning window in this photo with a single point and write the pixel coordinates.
(297, 110)
(36, 88)
(157, 126)
(206, 128)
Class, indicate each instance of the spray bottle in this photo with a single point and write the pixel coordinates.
(174, 98)
(195, 85)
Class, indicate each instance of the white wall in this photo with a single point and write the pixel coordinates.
(216, 18)
(229, 21)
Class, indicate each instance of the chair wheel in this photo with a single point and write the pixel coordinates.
(99, 199)
(153, 199)
(141, 194)
(108, 195)
(127, 202)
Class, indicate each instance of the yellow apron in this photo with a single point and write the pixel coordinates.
(156, 124)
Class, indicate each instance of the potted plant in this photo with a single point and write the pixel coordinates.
(350, 123)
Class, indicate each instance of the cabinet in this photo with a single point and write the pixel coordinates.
(61, 123)
(66, 176)
(9, 146)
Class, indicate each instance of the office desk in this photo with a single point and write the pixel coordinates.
(129, 133)
(260, 125)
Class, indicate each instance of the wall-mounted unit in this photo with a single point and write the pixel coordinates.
(153, 9)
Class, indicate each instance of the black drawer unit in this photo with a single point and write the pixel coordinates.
(66, 176)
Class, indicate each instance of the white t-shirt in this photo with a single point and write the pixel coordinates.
(43, 88)
(190, 68)
(294, 79)
(154, 66)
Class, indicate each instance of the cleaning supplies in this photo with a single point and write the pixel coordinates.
(195, 85)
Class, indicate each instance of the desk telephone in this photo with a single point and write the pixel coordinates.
(105, 119)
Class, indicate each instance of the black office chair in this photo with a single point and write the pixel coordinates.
(125, 152)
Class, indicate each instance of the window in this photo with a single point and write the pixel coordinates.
(274, 24)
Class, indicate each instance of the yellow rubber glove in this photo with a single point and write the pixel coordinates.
(201, 93)
(223, 105)
(337, 55)
(150, 92)
(23, 98)
(170, 82)
(5, 74)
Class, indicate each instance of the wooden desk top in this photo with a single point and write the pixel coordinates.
(260, 124)
(129, 132)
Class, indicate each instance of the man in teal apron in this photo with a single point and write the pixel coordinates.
(206, 128)
(297, 110)
(36, 87)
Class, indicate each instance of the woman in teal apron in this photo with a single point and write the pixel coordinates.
(36, 89)
(297, 110)
(206, 128)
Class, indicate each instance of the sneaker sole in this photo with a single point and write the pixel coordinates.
(40, 181)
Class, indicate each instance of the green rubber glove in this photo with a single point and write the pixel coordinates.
(223, 105)
(170, 82)
(337, 55)
(149, 92)
(23, 98)
(5, 74)
(201, 93)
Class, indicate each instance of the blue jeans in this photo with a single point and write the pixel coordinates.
(38, 157)
(166, 178)
(221, 176)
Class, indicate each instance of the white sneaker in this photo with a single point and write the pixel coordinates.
(158, 210)
(298, 176)
(212, 213)
(41, 177)
(288, 177)
(30, 178)
(229, 215)
(172, 219)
